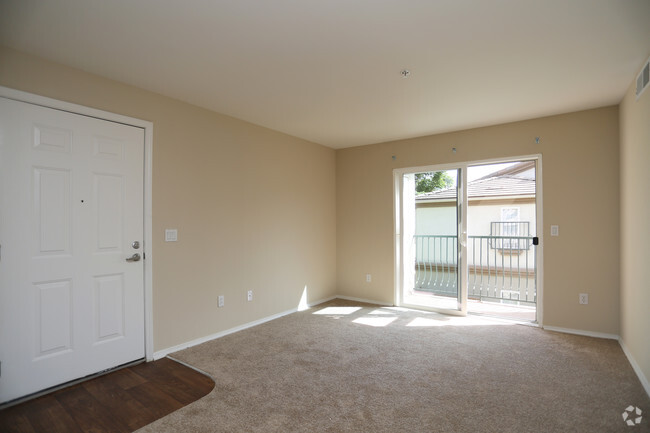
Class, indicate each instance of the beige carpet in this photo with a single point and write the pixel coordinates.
(364, 368)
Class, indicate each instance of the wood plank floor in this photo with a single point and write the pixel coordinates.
(122, 401)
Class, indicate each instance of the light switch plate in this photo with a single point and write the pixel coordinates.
(171, 235)
(555, 230)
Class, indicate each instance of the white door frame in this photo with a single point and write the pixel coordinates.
(401, 241)
(398, 223)
(43, 101)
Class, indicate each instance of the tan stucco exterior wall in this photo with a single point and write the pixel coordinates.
(580, 154)
(635, 227)
(254, 208)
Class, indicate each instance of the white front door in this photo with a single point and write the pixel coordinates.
(71, 210)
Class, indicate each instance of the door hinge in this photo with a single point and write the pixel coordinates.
(535, 240)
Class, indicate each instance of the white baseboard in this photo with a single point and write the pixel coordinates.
(322, 301)
(164, 352)
(365, 301)
(581, 332)
(635, 367)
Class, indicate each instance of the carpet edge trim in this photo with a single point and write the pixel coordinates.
(198, 370)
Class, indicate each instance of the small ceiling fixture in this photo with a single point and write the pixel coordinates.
(405, 73)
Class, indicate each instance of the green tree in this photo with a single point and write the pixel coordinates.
(427, 182)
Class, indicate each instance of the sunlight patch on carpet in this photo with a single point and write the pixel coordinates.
(381, 311)
(337, 311)
(375, 321)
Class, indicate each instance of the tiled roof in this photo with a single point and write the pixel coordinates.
(515, 181)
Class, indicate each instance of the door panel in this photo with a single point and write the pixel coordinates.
(109, 304)
(431, 245)
(54, 316)
(52, 219)
(502, 254)
(71, 204)
(108, 192)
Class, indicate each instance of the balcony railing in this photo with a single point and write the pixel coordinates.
(506, 274)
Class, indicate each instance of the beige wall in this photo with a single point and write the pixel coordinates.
(254, 209)
(635, 227)
(260, 210)
(580, 157)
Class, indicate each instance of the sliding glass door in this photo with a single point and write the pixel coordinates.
(492, 271)
(431, 249)
(502, 239)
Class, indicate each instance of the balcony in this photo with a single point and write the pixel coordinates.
(501, 268)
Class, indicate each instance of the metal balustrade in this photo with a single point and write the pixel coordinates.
(500, 268)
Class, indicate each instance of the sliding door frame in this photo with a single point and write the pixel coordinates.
(400, 242)
(401, 227)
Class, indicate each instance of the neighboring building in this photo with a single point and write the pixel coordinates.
(506, 196)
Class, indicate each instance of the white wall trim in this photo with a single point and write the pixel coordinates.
(147, 126)
(539, 217)
(44, 101)
(635, 367)
(321, 301)
(581, 332)
(164, 352)
(365, 301)
(147, 248)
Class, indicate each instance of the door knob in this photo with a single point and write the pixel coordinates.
(134, 258)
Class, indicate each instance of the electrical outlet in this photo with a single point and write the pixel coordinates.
(368, 278)
(584, 299)
(249, 295)
(220, 301)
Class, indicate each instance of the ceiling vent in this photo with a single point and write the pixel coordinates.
(643, 79)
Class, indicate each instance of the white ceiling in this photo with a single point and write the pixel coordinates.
(329, 70)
